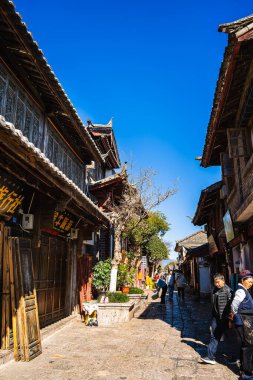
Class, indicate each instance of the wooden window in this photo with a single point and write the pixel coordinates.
(3, 87)
(20, 115)
(36, 130)
(59, 154)
(60, 158)
(17, 109)
(238, 142)
(28, 123)
(49, 150)
(10, 103)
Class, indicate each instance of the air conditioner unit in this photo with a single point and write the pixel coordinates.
(74, 233)
(223, 192)
(27, 221)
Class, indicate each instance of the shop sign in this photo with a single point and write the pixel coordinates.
(228, 226)
(63, 222)
(144, 262)
(11, 197)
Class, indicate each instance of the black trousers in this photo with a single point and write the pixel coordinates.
(164, 291)
(246, 353)
(180, 292)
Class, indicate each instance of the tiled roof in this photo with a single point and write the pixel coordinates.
(194, 240)
(36, 58)
(235, 30)
(105, 180)
(19, 138)
(103, 136)
(235, 26)
(207, 200)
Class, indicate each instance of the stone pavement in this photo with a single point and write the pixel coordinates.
(163, 342)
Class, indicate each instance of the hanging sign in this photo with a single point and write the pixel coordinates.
(228, 226)
(144, 262)
(11, 196)
(63, 222)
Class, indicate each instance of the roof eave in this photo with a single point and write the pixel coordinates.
(14, 19)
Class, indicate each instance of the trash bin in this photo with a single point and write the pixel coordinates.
(90, 311)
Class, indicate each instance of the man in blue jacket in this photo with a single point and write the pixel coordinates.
(161, 284)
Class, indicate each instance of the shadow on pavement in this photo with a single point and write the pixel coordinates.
(192, 318)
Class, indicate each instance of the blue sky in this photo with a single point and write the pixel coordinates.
(153, 67)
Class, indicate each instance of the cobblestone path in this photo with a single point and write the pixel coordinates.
(163, 342)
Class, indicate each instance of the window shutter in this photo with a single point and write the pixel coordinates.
(10, 102)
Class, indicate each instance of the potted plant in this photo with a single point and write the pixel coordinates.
(125, 277)
(101, 276)
(116, 297)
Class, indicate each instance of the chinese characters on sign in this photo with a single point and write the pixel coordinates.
(11, 197)
(63, 221)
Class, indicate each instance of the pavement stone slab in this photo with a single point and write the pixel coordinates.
(164, 342)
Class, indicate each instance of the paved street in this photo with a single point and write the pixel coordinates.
(163, 343)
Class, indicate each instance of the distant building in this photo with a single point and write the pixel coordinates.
(193, 259)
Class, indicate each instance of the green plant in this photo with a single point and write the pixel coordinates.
(117, 297)
(136, 291)
(102, 275)
(126, 275)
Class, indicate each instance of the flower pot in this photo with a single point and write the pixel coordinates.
(125, 289)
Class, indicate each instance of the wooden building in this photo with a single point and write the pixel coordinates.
(229, 144)
(210, 210)
(193, 260)
(45, 205)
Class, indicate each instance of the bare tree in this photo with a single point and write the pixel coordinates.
(139, 197)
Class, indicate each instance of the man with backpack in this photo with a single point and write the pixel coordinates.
(221, 301)
(161, 284)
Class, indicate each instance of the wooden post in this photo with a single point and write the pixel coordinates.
(18, 293)
(1, 271)
(6, 320)
(13, 303)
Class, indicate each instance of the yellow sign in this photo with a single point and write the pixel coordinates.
(11, 197)
(63, 221)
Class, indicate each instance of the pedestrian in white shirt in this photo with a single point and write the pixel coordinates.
(243, 301)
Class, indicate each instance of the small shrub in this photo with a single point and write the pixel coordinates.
(126, 275)
(102, 275)
(117, 297)
(136, 291)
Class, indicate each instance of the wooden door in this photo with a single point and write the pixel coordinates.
(50, 278)
(27, 330)
(85, 264)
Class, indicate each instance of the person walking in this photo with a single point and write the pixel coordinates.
(161, 284)
(181, 284)
(171, 284)
(243, 301)
(221, 301)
